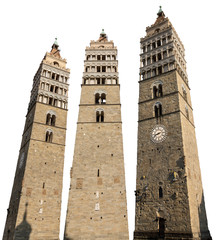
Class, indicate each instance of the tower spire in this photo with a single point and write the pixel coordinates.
(160, 12)
(55, 44)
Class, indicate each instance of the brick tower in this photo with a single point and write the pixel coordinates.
(97, 206)
(169, 195)
(35, 204)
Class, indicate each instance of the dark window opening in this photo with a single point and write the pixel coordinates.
(55, 102)
(103, 80)
(98, 68)
(164, 54)
(155, 90)
(57, 77)
(97, 98)
(144, 49)
(160, 70)
(43, 185)
(97, 117)
(98, 173)
(103, 69)
(49, 136)
(103, 57)
(98, 57)
(48, 119)
(161, 227)
(160, 192)
(113, 57)
(53, 120)
(160, 91)
(148, 47)
(53, 76)
(159, 56)
(158, 43)
(102, 116)
(56, 90)
(51, 88)
(50, 101)
(153, 45)
(154, 58)
(148, 60)
(164, 41)
(103, 98)
(98, 80)
(153, 72)
(158, 110)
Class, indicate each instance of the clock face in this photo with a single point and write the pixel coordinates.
(158, 134)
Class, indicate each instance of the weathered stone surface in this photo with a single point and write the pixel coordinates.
(97, 206)
(34, 209)
(169, 195)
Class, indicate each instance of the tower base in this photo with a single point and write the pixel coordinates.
(139, 235)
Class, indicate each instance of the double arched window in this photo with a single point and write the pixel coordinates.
(49, 136)
(99, 115)
(100, 97)
(184, 92)
(158, 109)
(157, 89)
(51, 118)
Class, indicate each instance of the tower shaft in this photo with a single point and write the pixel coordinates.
(169, 195)
(35, 204)
(97, 197)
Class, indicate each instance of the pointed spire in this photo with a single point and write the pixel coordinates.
(160, 12)
(55, 44)
(103, 36)
(55, 51)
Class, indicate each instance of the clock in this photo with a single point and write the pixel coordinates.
(158, 134)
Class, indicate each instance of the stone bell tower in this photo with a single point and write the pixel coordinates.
(35, 204)
(169, 195)
(97, 206)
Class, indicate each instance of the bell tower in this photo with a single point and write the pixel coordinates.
(35, 204)
(97, 206)
(169, 195)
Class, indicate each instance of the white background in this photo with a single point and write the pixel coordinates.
(28, 29)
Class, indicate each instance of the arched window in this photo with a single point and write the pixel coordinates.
(102, 116)
(103, 98)
(99, 116)
(53, 76)
(160, 90)
(97, 98)
(44, 72)
(158, 109)
(49, 136)
(56, 64)
(155, 90)
(184, 92)
(53, 120)
(48, 119)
